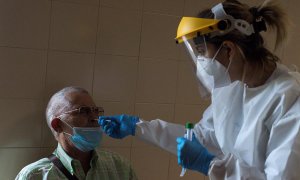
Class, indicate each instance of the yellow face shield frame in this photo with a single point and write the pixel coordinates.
(191, 27)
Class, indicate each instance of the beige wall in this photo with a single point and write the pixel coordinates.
(122, 51)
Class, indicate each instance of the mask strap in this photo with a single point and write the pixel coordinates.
(65, 124)
(67, 133)
(204, 40)
(244, 73)
(230, 61)
(217, 52)
(245, 66)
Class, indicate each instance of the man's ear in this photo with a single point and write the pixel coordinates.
(55, 124)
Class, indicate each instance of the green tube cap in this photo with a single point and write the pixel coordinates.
(189, 125)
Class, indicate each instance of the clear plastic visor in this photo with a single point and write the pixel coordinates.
(209, 73)
(197, 49)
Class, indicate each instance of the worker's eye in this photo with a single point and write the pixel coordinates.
(201, 50)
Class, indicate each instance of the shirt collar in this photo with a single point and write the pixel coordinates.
(67, 160)
(94, 159)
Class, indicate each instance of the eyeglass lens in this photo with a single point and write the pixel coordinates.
(87, 110)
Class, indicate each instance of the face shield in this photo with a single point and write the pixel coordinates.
(196, 33)
(197, 52)
(209, 71)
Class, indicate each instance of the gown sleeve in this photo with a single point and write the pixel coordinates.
(163, 134)
(160, 133)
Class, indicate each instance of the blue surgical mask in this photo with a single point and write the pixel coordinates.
(85, 138)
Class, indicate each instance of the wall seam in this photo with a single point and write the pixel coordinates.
(137, 70)
(95, 50)
(46, 70)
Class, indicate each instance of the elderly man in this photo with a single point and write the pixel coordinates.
(72, 117)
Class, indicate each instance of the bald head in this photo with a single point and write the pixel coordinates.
(60, 102)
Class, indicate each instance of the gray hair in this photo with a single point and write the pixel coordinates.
(59, 103)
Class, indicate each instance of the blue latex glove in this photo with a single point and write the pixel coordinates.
(192, 155)
(118, 126)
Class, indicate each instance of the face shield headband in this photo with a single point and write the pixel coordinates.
(239, 24)
(223, 23)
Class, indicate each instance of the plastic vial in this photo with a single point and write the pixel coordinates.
(188, 135)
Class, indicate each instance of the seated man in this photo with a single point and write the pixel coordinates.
(72, 117)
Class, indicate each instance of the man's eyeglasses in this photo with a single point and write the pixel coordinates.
(86, 110)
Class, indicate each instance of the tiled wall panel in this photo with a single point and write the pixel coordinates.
(122, 51)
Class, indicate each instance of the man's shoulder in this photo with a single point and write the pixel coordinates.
(108, 157)
(116, 164)
(34, 169)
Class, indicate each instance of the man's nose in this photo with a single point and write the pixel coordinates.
(93, 119)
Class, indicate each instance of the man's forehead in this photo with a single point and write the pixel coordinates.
(80, 99)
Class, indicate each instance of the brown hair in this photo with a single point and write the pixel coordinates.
(268, 16)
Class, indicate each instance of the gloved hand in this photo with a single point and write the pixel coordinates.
(118, 126)
(192, 155)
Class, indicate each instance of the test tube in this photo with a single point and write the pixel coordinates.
(188, 135)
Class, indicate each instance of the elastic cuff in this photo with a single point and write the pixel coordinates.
(135, 120)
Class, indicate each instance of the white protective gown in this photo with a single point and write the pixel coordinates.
(254, 132)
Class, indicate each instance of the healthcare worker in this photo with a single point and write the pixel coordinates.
(251, 129)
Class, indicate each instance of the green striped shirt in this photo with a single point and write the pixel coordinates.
(104, 166)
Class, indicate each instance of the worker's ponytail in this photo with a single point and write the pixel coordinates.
(275, 18)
